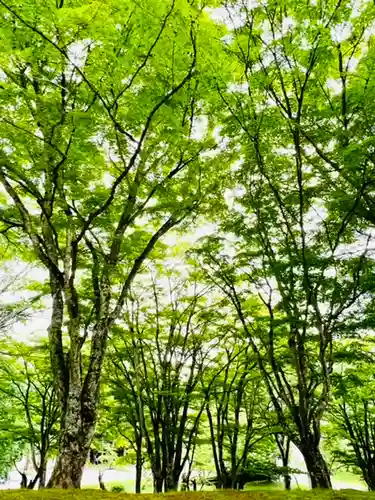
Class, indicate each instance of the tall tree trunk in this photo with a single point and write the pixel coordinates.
(42, 475)
(69, 465)
(227, 481)
(157, 471)
(316, 466)
(74, 447)
(170, 484)
(138, 467)
(79, 409)
(287, 481)
(33, 482)
(75, 442)
(224, 481)
(283, 443)
(370, 481)
(171, 480)
(23, 484)
(101, 482)
(234, 478)
(368, 472)
(158, 483)
(37, 477)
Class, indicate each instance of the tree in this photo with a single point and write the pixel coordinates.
(123, 415)
(287, 271)
(353, 420)
(116, 118)
(283, 443)
(32, 391)
(157, 367)
(15, 306)
(13, 309)
(120, 421)
(279, 293)
(100, 158)
(11, 449)
(234, 408)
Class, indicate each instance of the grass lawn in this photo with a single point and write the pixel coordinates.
(349, 480)
(206, 495)
(341, 481)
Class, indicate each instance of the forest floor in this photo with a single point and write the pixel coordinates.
(204, 495)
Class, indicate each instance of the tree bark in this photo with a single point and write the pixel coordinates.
(171, 481)
(33, 482)
(138, 468)
(283, 443)
(42, 476)
(156, 467)
(234, 480)
(79, 409)
(368, 471)
(68, 469)
(287, 481)
(316, 466)
(23, 484)
(74, 448)
(370, 481)
(158, 483)
(101, 482)
(224, 481)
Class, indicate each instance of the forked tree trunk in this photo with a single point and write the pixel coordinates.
(316, 466)
(79, 411)
(23, 484)
(75, 441)
(33, 482)
(79, 399)
(69, 465)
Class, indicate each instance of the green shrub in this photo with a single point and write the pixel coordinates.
(118, 488)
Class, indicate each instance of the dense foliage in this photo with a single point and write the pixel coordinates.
(190, 185)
